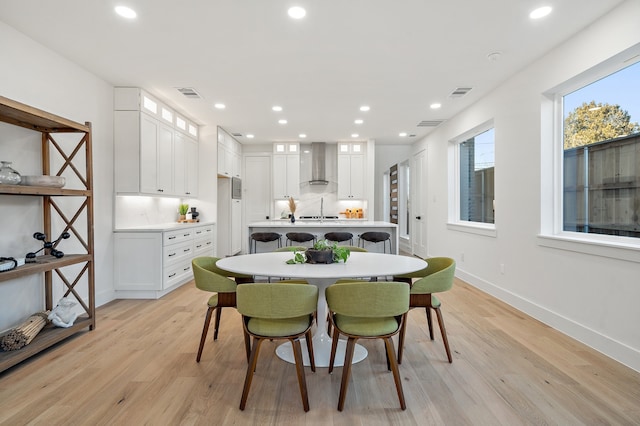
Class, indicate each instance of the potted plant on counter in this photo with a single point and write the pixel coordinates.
(322, 252)
(182, 211)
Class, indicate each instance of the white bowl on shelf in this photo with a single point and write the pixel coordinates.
(43, 180)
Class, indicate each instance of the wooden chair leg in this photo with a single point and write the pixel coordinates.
(205, 330)
(346, 371)
(396, 373)
(403, 330)
(217, 326)
(312, 359)
(334, 347)
(247, 343)
(429, 322)
(302, 382)
(253, 360)
(444, 334)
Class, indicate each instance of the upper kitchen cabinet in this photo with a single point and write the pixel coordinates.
(229, 155)
(351, 171)
(286, 170)
(155, 151)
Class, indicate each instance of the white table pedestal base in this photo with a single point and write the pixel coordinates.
(321, 355)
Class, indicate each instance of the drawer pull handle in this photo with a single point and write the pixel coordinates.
(172, 238)
(186, 250)
(172, 275)
(198, 246)
(172, 254)
(186, 269)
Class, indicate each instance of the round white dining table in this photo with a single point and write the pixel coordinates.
(359, 265)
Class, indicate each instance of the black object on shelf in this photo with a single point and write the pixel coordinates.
(31, 257)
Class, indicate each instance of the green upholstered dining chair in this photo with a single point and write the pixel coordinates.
(367, 310)
(292, 248)
(437, 277)
(278, 311)
(208, 277)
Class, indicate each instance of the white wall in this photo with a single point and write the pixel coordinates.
(36, 76)
(591, 298)
(386, 156)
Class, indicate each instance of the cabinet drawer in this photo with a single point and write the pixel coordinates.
(176, 273)
(203, 231)
(173, 237)
(177, 252)
(203, 247)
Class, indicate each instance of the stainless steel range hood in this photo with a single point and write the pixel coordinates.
(318, 164)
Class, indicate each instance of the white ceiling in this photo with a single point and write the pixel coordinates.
(396, 56)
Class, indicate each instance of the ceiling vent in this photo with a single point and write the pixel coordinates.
(189, 92)
(430, 123)
(460, 92)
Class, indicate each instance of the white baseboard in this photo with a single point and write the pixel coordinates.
(613, 349)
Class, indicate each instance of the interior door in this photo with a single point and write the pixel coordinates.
(419, 204)
(256, 192)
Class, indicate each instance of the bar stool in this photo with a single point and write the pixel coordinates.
(264, 237)
(339, 237)
(299, 237)
(376, 237)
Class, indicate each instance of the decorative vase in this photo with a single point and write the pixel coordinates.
(293, 218)
(319, 256)
(8, 175)
(182, 217)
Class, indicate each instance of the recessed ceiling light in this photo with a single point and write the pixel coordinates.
(365, 108)
(276, 108)
(359, 121)
(302, 135)
(126, 12)
(296, 12)
(435, 105)
(250, 136)
(354, 135)
(219, 106)
(402, 135)
(282, 121)
(540, 12)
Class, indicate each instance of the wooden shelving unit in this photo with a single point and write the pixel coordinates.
(78, 161)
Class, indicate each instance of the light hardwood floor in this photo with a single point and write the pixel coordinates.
(138, 367)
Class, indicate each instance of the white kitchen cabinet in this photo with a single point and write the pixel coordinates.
(151, 263)
(236, 226)
(145, 138)
(351, 171)
(286, 170)
(185, 167)
(229, 155)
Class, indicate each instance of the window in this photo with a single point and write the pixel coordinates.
(601, 155)
(475, 154)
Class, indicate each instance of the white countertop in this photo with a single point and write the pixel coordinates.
(171, 226)
(328, 223)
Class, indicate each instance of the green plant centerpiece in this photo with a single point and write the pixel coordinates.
(183, 209)
(322, 252)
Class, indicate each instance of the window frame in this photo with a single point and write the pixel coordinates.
(454, 222)
(552, 233)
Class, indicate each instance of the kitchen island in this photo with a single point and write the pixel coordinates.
(321, 227)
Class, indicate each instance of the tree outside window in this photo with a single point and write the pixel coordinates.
(601, 147)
